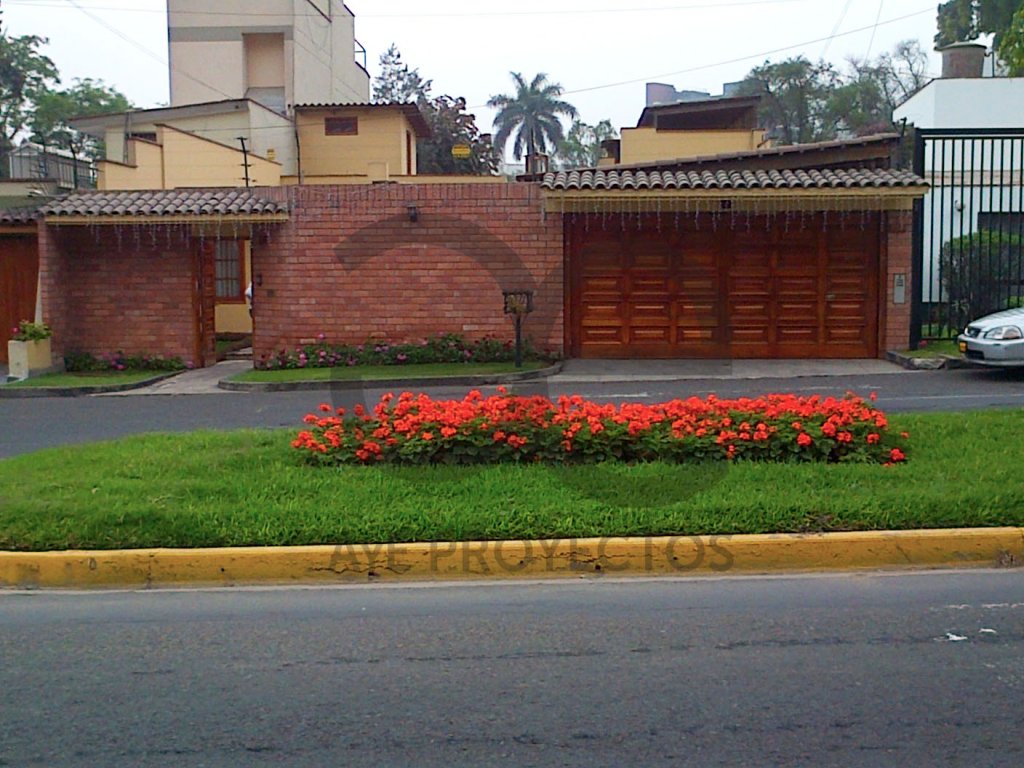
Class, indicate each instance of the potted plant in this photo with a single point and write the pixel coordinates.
(28, 351)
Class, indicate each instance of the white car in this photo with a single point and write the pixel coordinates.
(996, 340)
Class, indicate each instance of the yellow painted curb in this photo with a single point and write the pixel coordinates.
(672, 555)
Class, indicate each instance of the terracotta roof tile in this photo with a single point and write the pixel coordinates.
(20, 215)
(173, 202)
(624, 179)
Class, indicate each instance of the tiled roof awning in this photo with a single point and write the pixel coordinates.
(721, 181)
(166, 205)
(18, 216)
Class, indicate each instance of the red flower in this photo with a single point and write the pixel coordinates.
(804, 439)
(498, 436)
(874, 438)
(896, 455)
(428, 436)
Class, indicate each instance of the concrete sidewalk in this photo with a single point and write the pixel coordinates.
(202, 381)
(597, 371)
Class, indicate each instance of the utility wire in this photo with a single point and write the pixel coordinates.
(871, 42)
(835, 29)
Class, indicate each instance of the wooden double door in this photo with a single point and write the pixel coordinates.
(741, 287)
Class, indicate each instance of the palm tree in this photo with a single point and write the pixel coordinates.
(534, 111)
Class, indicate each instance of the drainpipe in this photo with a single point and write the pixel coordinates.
(298, 151)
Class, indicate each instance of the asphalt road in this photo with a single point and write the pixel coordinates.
(852, 670)
(32, 424)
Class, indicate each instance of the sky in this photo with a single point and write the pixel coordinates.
(601, 51)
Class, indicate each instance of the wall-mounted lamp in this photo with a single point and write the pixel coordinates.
(413, 211)
(259, 279)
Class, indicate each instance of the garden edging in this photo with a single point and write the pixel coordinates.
(944, 362)
(663, 556)
(21, 392)
(395, 383)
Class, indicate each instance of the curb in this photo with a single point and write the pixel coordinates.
(665, 556)
(945, 362)
(397, 383)
(22, 392)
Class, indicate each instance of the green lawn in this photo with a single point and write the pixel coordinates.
(370, 372)
(250, 488)
(98, 379)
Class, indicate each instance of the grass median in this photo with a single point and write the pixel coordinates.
(90, 379)
(250, 488)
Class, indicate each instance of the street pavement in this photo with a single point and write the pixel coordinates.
(914, 670)
(31, 424)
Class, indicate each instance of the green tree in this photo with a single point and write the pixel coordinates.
(1011, 48)
(25, 73)
(981, 273)
(532, 113)
(961, 20)
(866, 96)
(796, 99)
(581, 147)
(449, 122)
(396, 83)
(53, 109)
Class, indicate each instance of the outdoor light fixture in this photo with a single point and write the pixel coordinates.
(518, 304)
(413, 211)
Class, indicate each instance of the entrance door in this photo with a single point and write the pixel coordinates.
(19, 277)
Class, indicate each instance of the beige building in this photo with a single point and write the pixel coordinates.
(687, 130)
(276, 52)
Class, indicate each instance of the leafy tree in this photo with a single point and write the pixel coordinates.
(960, 20)
(397, 84)
(581, 148)
(532, 114)
(53, 109)
(796, 99)
(25, 73)
(864, 101)
(449, 122)
(1011, 49)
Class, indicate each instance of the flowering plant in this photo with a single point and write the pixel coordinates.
(84, 362)
(446, 348)
(415, 429)
(29, 331)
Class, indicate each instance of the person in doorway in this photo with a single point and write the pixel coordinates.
(248, 297)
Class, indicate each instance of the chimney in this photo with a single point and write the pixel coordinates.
(963, 60)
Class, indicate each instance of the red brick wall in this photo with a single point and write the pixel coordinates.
(103, 292)
(898, 234)
(351, 265)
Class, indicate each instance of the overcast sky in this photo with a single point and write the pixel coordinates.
(601, 51)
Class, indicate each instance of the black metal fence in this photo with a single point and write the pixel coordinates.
(969, 228)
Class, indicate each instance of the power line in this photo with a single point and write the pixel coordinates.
(453, 14)
(871, 42)
(739, 59)
(835, 29)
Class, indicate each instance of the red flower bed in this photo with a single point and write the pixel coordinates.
(414, 429)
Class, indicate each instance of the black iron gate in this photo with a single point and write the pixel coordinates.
(969, 228)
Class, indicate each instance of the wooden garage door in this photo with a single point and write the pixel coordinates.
(19, 273)
(761, 290)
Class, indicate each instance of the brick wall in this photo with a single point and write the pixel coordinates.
(351, 265)
(898, 234)
(103, 292)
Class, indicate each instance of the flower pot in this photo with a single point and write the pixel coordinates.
(28, 358)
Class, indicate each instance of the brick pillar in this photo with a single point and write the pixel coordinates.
(898, 231)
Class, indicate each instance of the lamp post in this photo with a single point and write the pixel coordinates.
(518, 304)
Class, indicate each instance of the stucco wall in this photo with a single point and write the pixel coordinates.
(644, 145)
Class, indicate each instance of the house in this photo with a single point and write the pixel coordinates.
(19, 258)
(275, 52)
(687, 129)
(969, 147)
(789, 252)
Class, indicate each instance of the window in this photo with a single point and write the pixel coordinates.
(341, 126)
(229, 258)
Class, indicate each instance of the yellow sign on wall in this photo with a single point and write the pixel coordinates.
(462, 151)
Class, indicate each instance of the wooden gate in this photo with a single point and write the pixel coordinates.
(19, 276)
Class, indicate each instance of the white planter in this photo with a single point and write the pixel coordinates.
(28, 358)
